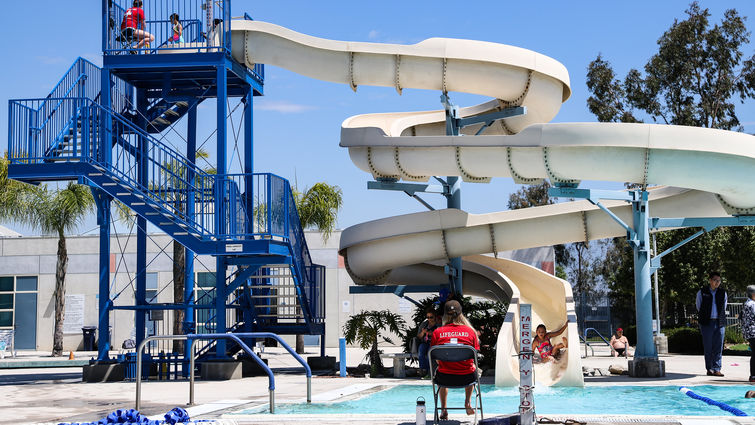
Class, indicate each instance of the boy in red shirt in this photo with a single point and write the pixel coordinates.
(132, 24)
(456, 329)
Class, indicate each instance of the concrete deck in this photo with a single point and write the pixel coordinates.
(55, 394)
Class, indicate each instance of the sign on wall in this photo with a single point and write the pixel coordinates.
(74, 316)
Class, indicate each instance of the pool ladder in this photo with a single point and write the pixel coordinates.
(587, 343)
(235, 337)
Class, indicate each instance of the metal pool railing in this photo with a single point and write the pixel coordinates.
(587, 342)
(235, 337)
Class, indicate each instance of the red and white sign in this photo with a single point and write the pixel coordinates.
(526, 399)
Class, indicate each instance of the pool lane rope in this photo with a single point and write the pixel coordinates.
(722, 406)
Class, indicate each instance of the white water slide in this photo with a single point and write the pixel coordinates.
(703, 169)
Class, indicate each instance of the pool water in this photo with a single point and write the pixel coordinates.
(608, 400)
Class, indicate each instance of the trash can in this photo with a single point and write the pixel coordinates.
(89, 333)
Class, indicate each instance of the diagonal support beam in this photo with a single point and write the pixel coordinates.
(242, 277)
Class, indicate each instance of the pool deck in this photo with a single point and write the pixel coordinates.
(55, 394)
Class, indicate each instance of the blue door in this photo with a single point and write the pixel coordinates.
(26, 321)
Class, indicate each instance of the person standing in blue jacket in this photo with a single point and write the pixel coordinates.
(711, 308)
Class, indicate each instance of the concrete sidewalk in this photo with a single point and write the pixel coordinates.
(57, 394)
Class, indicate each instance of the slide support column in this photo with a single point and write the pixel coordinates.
(141, 224)
(189, 325)
(103, 326)
(453, 198)
(645, 362)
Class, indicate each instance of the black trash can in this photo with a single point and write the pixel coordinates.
(89, 333)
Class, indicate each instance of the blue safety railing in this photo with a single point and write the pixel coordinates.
(84, 79)
(49, 118)
(191, 338)
(203, 24)
(79, 129)
(205, 27)
(589, 343)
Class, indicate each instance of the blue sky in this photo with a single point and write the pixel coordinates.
(297, 123)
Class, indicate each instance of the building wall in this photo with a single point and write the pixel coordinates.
(36, 256)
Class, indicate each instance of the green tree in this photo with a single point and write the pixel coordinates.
(318, 208)
(485, 316)
(60, 212)
(14, 195)
(695, 79)
(52, 212)
(530, 196)
(574, 261)
(366, 329)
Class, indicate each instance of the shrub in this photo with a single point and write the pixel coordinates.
(631, 333)
(733, 335)
(684, 340)
(486, 317)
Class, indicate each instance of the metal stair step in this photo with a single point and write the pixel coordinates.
(272, 286)
(275, 296)
(271, 276)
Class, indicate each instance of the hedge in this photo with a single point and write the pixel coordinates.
(685, 340)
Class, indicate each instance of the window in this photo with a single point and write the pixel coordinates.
(10, 288)
(204, 294)
(151, 294)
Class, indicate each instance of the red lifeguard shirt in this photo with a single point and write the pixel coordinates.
(456, 334)
(133, 18)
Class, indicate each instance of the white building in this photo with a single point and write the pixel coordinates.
(27, 284)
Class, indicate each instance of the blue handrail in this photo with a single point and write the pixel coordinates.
(202, 20)
(237, 337)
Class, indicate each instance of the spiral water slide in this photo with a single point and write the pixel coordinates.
(702, 168)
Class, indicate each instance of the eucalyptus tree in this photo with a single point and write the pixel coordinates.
(696, 78)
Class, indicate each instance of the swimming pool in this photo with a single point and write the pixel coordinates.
(606, 400)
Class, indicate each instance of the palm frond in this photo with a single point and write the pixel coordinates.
(318, 207)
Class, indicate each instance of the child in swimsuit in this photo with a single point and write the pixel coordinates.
(542, 342)
(178, 29)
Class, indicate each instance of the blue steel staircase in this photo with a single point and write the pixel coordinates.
(275, 288)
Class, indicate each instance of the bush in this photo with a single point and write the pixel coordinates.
(486, 317)
(684, 340)
(631, 333)
(733, 335)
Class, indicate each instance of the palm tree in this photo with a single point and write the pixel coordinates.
(60, 211)
(318, 207)
(365, 328)
(14, 201)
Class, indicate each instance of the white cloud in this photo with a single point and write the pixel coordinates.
(282, 106)
(373, 34)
